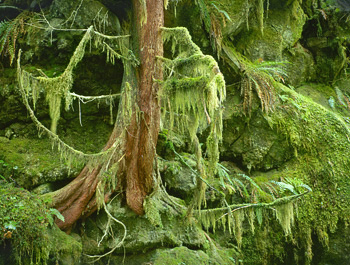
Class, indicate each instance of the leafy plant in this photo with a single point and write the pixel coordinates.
(295, 186)
(54, 212)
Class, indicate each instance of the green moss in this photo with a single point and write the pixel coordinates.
(152, 211)
(64, 249)
(32, 162)
(24, 220)
(321, 142)
(183, 255)
(180, 255)
(282, 29)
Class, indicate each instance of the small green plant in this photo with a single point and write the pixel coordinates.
(24, 220)
(54, 212)
(294, 186)
(8, 170)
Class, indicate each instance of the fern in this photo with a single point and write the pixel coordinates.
(213, 17)
(258, 76)
(295, 186)
(284, 186)
(253, 183)
(256, 201)
(231, 183)
(10, 31)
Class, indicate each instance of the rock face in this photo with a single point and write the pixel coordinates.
(303, 140)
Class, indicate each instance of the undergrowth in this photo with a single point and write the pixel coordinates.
(23, 223)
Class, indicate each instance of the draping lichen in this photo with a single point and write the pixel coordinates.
(58, 88)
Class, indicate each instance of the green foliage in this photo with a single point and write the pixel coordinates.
(258, 76)
(24, 220)
(8, 170)
(10, 32)
(54, 212)
(320, 139)
(251, 201)
(295, 186)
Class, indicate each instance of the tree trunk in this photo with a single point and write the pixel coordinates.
(144, 128)
(78, 199)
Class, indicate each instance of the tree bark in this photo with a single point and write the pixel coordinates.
(144, 128)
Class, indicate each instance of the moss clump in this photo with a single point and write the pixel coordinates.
(27, 235)
(181, 255)
(29, 165)
(24, 220)
(64, 249)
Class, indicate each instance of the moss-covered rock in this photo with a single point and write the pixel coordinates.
(32, 162)
(28, 235)
(181, 255)
(160, 227)
(282, 29)
(301, 67)
(64, 249)
(180, 181)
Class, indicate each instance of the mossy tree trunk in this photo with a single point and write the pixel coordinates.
(143, 130)
(78, 199)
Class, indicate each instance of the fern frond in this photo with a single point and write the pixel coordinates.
(295, 186)
(251, 181)
(273, 192)
(10, 31)
(259, 76)
(284, 186)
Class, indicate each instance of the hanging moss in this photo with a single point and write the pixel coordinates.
(58, 88)
(194, 89)
(260, 15)
(285, 216)
(192, 96)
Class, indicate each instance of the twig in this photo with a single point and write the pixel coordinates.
(256, 205)
(98, 257)
(91, 98)
(13, 7)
